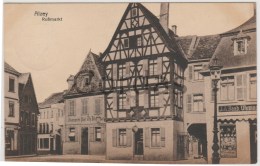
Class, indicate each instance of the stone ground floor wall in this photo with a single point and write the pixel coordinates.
(89, 142)
(159, 140)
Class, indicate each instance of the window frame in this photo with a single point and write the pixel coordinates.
(132, 12)
(157, 135)
(124, 42)
(11, 111)
(11, 88)
(237, 42)
(72, 111)
(152, 67)
(196, 72)
(122, 135)
(250, 84)
(198, 101)
(154, 98)
(98, 134)
(228, 82)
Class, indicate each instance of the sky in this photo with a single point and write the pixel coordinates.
(51, 51)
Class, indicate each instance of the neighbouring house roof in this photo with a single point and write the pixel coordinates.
(199, 47)
(225, 49)
(8, 68)
(52, 99)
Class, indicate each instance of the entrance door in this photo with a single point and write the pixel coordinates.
(253, 142)
(51, 145)
(84, 141)
(58, 144)
(139, 148)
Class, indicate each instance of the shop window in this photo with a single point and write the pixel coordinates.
(197, 75)
(11, 109)
(134, 12)
(227, 88)
(72, 134)
(154, 98)
(198, 103)
(9, 138)
(228, 141)
(11, 84)
(71, 108)
(152, 67)
(122, 101)
(252, 86)
(122, 137)
(240, 46)
(84, 103)
(98, 134)
(44, 143)
(155, 137)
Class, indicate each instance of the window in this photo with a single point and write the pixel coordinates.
(240, 46)
(122, 137)
(154, 98)
(11, 84)
(84, 103)
(51, 130)
(44, 143)
(122, 70)
(155, 137)
(227, 88)
(139, 41)
(98, 134)
(11, 109)
(9, 139)
(41, 130)
(228, 141)
(122, 101)
(253, 86)
(51, 113)
(198, 103)
(197, 75)
(152, 67)
(134, 12)
(72, 134)
(126, 43)
(71, 108)
(97, 106)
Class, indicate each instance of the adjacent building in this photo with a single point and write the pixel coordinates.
(144, 77)
(50, 124)
(85, 128)
(21, 110)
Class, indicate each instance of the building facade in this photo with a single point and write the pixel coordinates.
(85, 128)
(50, 125)
(21, 110)
(237, 96)
(144, 76)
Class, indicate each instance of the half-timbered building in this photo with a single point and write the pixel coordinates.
(144, 75)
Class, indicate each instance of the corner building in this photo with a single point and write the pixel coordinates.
(144, 75)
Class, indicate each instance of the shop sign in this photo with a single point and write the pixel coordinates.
(237, 108)
(85, 119)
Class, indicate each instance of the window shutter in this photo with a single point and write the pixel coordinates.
(97, 106)
(162, 137)
(161, 98)
(240, 87)
(114, 71)
(115, 101)
(245, 80)
(145, 67)
(147, 137)
(114, 137)
(91, 134)
(102, 134)
(159, 65)
(129, 137)
(127, 69)
(190, 73)
(189, 103)
(128, 99)
(146, 99)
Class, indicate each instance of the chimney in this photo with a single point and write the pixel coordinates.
(70, 81)
(174, 29)
(164, 16)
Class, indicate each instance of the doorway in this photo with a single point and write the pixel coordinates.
(84, 141)
(139, 148)
(58, 144)
(253, 142)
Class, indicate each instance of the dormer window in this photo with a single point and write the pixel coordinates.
(240, 46)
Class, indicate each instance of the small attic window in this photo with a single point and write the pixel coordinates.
(240, 46)
(134, 12)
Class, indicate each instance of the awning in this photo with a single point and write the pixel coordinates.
(72, 134)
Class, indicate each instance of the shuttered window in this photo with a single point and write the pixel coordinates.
(253, 86)
(71, 108)
(198, 103)
(241, 86)
(122, 137)
(157, 137)
(197, 75)
(227, 88)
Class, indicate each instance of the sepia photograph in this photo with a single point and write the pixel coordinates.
(141, 82)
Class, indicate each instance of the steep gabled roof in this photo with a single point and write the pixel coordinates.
(52, 99)
(8, 68)
(23, 78)
(199, 47)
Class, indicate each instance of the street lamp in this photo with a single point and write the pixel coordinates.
(215, 72)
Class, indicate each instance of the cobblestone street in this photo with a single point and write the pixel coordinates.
(94, 159)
